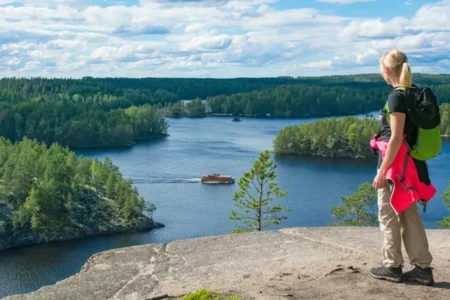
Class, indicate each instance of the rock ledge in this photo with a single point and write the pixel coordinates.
(292, 263)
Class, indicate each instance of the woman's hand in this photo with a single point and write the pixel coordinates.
(379, 181)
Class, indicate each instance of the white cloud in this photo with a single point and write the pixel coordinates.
(13, 62)
(374, 28)
(123, 53)
(369, 55)
(213, 42)
(345, 1)
(322, 64)
(195, 27)
(433, 17)
(214, 38)
(44, 3)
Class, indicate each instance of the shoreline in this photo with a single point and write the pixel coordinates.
(342, 157)
(127, 146)
(306, 116)
(147, 224)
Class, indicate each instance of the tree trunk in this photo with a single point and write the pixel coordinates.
(259, 207)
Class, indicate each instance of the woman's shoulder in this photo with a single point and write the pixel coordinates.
(396, 100)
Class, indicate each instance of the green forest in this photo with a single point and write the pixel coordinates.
(324, 98)
(109, 112)
(301, 100)
(46, 193)
(193, 109)
(142, 90)
(331, 137)
(86, 119)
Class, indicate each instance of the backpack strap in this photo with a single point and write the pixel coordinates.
(388, 117)
(386, 106)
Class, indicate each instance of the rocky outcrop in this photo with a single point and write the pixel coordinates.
(294, 263)
(29, 238)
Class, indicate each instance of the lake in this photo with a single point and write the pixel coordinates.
(167, 172)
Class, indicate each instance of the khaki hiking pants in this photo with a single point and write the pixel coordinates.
(408, 227)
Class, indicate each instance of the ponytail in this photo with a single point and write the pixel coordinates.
(397, 63)
(405, 75)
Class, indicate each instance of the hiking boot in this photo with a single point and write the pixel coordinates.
(421, 275)
(387, 273)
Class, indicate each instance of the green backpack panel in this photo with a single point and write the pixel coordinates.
(423, 110)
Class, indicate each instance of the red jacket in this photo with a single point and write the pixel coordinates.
(406, 191)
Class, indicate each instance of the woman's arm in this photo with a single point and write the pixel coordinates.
(397, 121)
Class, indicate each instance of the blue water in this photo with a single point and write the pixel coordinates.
(167, 172)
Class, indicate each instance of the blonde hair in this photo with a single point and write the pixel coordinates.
(396, 61)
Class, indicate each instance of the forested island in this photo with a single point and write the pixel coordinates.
(48, 194)
(346, 137)
(331, 137)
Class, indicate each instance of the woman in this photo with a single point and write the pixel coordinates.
(406, 226)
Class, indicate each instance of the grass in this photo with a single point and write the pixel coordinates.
(208, 295)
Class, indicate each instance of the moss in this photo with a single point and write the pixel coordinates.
(208, 295)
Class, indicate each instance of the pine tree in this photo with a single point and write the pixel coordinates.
(110, 186)
(30, 209)
(359, 209)
(258, 189)
(149, 208)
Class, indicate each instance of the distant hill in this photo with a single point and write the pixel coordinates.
(171, 89)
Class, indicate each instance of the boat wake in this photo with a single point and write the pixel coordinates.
(168, 181)
(188, 180)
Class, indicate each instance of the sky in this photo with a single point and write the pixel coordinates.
(218, 38)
